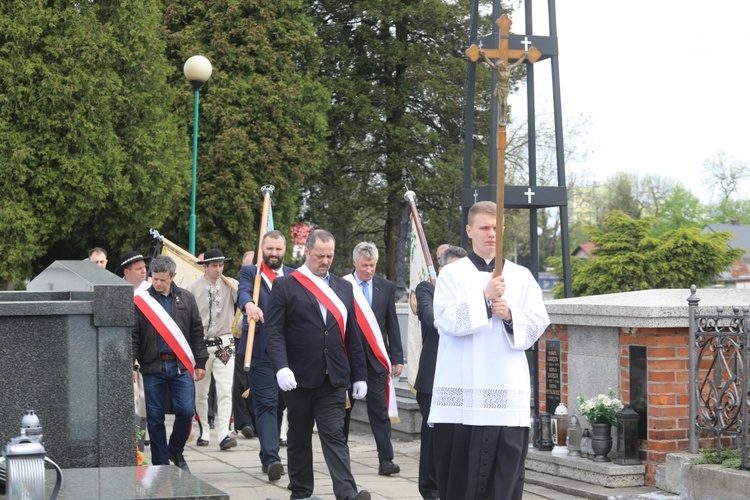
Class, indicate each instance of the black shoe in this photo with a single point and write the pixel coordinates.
(201, 442)
(282, 442)
(363, 495)
(179, 460)
(274, 471)
(227, 442)
(387, 467)
(248, 431)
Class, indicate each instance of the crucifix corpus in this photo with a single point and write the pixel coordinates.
(499, 60)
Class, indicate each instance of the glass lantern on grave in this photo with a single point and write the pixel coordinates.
(575, 433)
(545, 443)
(560, 430)
(586, 450)
(627, 437)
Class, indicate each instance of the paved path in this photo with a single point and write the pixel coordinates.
(237, 471)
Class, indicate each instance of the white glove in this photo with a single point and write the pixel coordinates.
(286, 380)
(359, 389)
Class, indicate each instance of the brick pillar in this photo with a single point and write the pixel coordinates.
(668, 390)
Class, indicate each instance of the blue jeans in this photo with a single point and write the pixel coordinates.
(265, 389)
(156, 387)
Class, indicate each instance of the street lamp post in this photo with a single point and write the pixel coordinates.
(197, 70)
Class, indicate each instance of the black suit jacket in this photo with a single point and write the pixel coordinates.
(384, 308)
(425, 292)
(244, 295)
(298, 338)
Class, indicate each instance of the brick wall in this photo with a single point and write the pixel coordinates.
(668, 378)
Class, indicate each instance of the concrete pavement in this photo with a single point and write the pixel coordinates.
(238, 471)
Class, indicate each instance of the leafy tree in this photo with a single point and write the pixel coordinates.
(262, 115)
(89, 150)
(627, 259)
(679, 210)
(397, 72)
(623, 194)
(728, 210)
(725, 173)
(652, 190)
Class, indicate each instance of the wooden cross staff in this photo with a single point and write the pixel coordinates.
(498, 59)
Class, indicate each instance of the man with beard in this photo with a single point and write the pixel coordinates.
(261, 377)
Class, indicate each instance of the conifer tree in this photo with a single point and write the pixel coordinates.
(90, 153)
(626, 258)
(262, 113)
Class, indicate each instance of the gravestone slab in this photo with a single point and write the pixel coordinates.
(144, 482)
(65, 352)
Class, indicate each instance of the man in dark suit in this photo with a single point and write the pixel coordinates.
(381, 297)
(261, 377)
(426, 373)
(314, 344)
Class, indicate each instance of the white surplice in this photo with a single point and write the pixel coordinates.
(481, 375)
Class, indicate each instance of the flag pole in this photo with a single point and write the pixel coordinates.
(410, 196)
(266, 190)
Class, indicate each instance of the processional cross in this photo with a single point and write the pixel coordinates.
(499, 60)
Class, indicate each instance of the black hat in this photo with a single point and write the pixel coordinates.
(127, 259)
(213, 255)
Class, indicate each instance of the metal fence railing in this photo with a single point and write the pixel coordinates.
(719, 356)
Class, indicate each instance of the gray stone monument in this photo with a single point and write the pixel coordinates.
(65, 352)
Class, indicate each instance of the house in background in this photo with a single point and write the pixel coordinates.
(738, 274)
(584, 251)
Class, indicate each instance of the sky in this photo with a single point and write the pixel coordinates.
(662, 83)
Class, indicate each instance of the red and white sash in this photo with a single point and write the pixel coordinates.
(324, 294)
(371, 330)
(166, 327)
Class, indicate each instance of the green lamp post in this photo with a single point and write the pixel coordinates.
(197, 70)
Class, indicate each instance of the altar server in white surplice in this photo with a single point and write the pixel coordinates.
(481, 395)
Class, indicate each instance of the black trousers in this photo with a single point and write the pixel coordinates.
(475, 462)
(427, 482)
(323, 406)
(377, 413)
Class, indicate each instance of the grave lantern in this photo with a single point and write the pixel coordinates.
(575, 434)
(560, 430)
(537, 431)
(546, 439)
(627, 437)
(586, 450)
